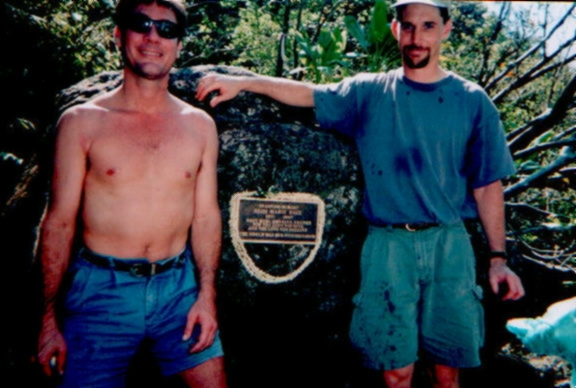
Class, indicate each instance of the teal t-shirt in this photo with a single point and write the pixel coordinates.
(423, 147)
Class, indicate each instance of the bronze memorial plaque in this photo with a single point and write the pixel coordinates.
(273, 221)
(284, 218)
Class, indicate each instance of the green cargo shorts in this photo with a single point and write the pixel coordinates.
(418, 295)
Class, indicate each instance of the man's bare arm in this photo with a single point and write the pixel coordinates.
(490, 202)
(206, 244)
(57, 232)
(289, 92)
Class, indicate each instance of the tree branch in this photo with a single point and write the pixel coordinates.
(545, 228)
(567, 156)
(529, 52)
(521, 139)
(482, 76)
(565, 133)
(530, 211)
(556, 267)
(532, 73)
(543, 147)
(558, 259)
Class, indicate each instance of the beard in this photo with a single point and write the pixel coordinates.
(409, 62)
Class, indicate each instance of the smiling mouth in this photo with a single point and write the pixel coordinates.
(416, 52)
(151, 54)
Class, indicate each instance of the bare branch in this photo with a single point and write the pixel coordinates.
(531, 211)
(557, 259)
(545, 228)
(482, 76)
(529, 52)
(567, 156)
(553, 66)
(565, 133)
(532, 73)
(556, 267)
(548, 254)
(543, 147)
(522, 138)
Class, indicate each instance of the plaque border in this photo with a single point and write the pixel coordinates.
(241, 250)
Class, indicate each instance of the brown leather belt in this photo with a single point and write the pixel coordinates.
(416, 227)
(139, 268)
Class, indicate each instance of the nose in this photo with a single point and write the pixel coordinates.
(152, 35)
(416, 36)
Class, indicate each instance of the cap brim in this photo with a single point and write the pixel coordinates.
(426, 2)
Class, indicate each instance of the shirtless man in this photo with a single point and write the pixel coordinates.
(139, 167)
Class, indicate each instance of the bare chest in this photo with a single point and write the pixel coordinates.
(160, 152)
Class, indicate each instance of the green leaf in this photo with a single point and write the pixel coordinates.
(356, 31)
(378, 25)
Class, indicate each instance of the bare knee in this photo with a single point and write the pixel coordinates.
(445, 377)
(209, 374)
(399, 378)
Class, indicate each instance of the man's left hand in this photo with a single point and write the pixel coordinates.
(203, 314)
(498, 273)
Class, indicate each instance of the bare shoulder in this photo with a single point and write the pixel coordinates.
(194, 116)
(199, 122)
(86, 115)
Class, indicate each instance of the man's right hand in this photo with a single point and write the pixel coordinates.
(228, 87)
(51, 345)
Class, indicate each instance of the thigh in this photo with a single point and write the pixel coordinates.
(101, 330)
(176, 291)
(208, 374)
(452, 315)
(384, 323)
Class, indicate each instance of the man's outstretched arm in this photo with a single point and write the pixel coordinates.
(286, 91)
(490, 202)
(56, 235)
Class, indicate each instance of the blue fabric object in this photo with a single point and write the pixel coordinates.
(554, 333)
(423, 147)
(110, 313)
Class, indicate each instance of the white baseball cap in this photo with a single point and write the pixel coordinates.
(435, 3)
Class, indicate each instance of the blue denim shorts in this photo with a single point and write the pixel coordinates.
(418, 297)
(108, 314)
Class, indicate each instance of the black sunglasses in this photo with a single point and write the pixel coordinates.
(138, 22)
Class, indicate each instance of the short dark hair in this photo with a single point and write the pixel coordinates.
(444, 13)
(124, 8)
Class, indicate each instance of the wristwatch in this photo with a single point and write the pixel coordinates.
(500, 254)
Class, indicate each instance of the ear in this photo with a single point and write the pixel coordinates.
(395, 29)
(117, 37)
(179, 49)
(447, 29)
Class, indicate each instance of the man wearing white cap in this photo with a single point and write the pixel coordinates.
(433, 154)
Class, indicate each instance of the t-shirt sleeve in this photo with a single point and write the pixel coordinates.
(489, 157)
(337, 106)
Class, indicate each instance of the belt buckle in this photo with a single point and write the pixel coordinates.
(138, 269)
(408, 228)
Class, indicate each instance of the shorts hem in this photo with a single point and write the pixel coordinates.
(192, 363)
